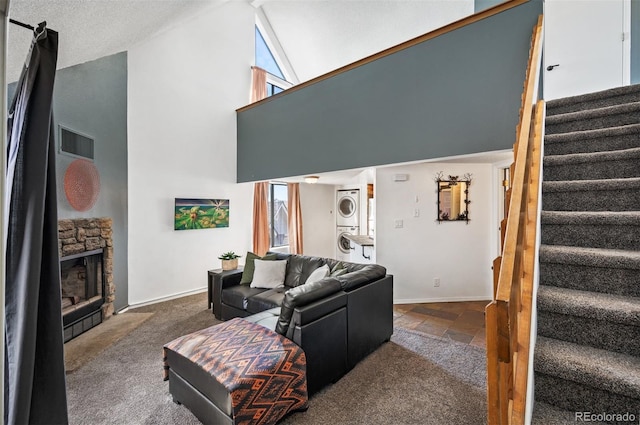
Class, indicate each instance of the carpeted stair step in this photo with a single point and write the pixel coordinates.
(602, 229)
(603, 139)
(585, 379)
(587, 354)
(610, 116)
(610, 271)
(592, 195)
(610, 322)
(600, 99)
(617, 164)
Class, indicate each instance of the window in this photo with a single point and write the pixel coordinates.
(273, 89)
(278, 214)
(276, 81)
(264, 57)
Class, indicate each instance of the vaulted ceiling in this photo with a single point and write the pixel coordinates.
(317, 36)
(320, 36)
(90, 29)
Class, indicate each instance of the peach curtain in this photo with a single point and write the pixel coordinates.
(295, 218)
(260, 218)
(258, 84)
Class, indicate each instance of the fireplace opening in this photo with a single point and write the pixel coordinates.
(82, 279)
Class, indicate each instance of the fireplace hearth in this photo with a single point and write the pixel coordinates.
(86, 269)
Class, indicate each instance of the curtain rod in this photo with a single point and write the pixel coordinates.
(270, 73)
(20, 24)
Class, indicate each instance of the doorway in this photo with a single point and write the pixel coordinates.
(586, 47)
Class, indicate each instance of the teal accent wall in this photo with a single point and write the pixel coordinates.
(91, 98)
(456, 94)
(635, 41)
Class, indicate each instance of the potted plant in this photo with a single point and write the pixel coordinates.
(229, 260)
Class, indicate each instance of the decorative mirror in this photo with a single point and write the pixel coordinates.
(453, 197)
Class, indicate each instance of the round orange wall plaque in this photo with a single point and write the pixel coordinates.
(82, 184)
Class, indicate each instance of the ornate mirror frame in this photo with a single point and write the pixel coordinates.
(453, 197)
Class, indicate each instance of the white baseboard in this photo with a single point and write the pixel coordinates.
(438, 300)
(395, 301)
(167, 298)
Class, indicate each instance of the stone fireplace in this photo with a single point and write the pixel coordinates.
(86, 263)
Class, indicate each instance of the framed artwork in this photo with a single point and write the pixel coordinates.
(193, 214)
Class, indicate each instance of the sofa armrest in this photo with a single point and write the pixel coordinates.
(311, 312)
(359, 276)
(324, 342)
(221, 281)
(369, 318)
(303, 295)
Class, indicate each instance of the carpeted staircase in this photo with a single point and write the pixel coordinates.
(587, 355)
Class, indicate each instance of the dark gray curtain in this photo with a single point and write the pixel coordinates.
(35, 388)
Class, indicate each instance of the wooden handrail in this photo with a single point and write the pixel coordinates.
(397, 48)
(508, 316)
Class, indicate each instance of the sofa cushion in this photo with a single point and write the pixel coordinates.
(236, 296)
(268, 274)
(302, 295)
(267, 318)
(319, 273)
(249, 266)
(265, 300)
(299, 268)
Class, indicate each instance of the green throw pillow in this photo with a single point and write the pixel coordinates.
(250, 267)
(338, 270)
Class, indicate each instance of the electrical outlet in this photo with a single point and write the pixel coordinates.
(436, 282)
(399, 224)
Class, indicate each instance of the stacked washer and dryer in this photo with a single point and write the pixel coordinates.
(347, 220)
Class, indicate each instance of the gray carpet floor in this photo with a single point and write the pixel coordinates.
(414, 379)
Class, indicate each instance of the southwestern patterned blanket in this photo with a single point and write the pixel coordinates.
(264, 372)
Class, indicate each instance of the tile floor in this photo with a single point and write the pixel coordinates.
(460, 321)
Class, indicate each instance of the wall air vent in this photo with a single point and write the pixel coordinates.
(75, 144)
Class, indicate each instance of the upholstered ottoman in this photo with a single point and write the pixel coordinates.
(236, 372)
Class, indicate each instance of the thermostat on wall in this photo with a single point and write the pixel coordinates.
(400, 177)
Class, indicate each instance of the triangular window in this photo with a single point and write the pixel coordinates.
(267, 58)
(264, 57)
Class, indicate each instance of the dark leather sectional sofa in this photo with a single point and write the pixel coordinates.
(337, 320)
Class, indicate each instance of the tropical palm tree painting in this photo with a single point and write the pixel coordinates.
(201, 213)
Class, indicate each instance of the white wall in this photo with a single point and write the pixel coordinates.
(183, 88)
(318, 220)
(459, 254)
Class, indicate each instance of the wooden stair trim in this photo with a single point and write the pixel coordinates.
(508, 316)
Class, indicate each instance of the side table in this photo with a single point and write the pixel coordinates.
(217, 274)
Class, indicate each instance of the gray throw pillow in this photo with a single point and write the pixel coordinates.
(338, 270)
(249, 266)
